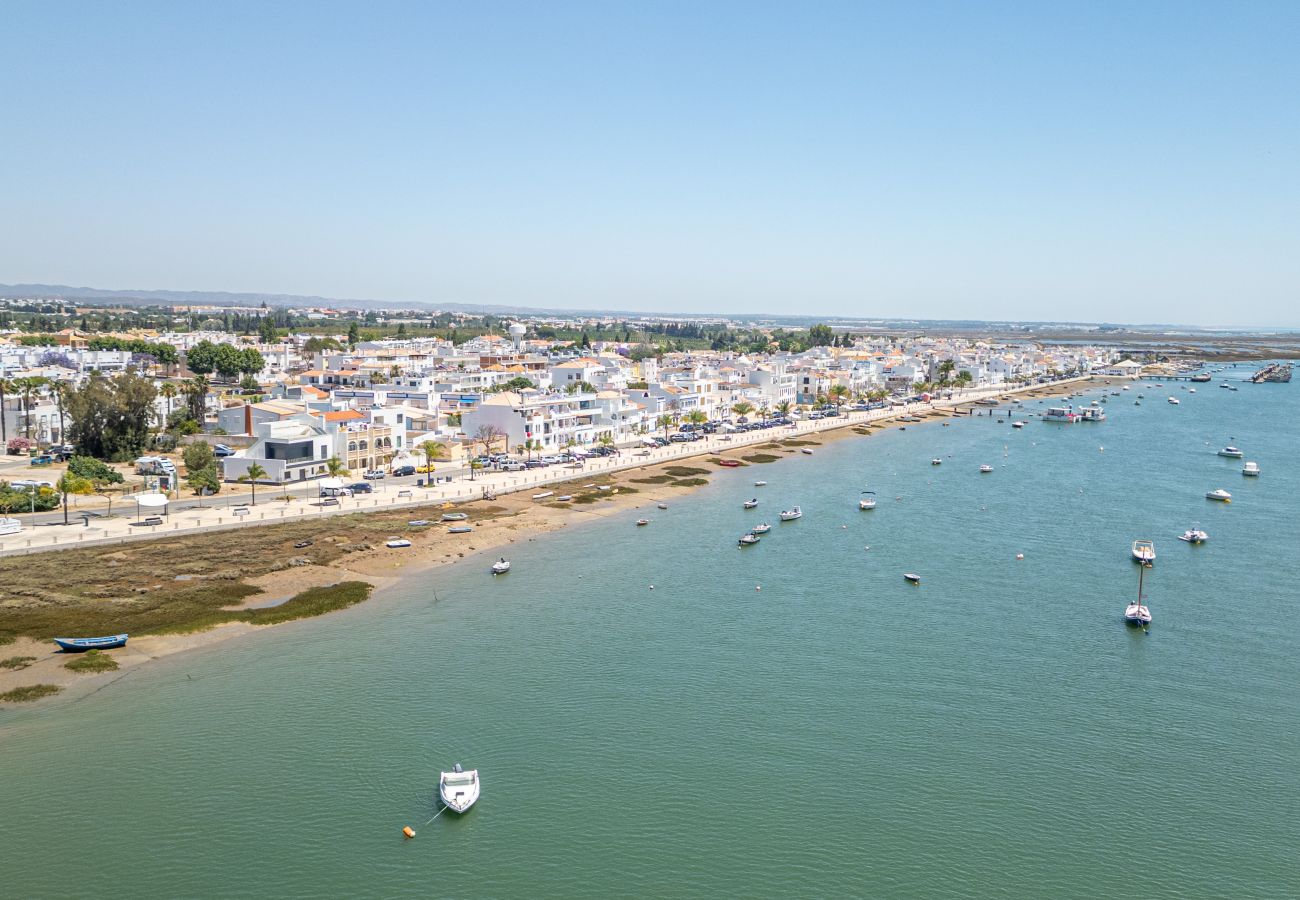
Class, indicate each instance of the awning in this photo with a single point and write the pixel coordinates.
(151, 500)
(330, 483)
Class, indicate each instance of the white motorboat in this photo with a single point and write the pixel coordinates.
(1017, 424)
(868, 500)
(1194, 535)
(747, 540)
(807, 451)
(1144, 552)
(912, 577)
(1219, 494)
(1062, 414)
(750, 504)
(1136, 613)
(936, 461)
(1231, 452)
(1173, 400)
(763, 528)
(1250, 468)
(459, 789)
(760, 484)
(1191, 390)
(396, 542)
(641, 522)
(501, 566)
(789, 515)
(985, 469)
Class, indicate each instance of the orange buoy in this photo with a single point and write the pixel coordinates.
(408, 831)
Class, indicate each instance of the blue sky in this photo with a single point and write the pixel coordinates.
(1092, 161)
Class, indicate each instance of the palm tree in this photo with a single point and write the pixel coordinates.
(59, 390)
(335, 467)
(168, 392)
(697, 417)
(665, 422)
(430, 449)
(838, 394)
(6, 387)
(783, 407)
(254, 472)
(764, 412)
(29, 388)
(945, 371)
(743, 408)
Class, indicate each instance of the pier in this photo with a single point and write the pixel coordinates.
(1274, 372)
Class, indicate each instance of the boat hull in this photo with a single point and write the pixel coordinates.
(81, 645)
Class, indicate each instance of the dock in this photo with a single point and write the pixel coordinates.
(1275, 372)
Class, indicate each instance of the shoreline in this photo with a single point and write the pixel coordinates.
(510, 518)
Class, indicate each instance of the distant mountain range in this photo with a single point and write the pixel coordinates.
(297, 301)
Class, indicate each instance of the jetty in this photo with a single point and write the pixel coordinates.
(1275, 372)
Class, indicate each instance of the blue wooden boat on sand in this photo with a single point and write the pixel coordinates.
(78, 645)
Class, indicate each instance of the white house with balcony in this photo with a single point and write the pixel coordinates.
(290, 450)
(552, 420)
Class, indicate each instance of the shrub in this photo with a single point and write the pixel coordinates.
(28, 693)
(17, 662)
(91, 662)
(93, 470)
(18, 445)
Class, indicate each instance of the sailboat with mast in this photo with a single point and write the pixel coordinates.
(1137, 613)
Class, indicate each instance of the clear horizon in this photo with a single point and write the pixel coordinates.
(1004, 163)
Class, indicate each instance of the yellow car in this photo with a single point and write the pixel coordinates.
(424, 469)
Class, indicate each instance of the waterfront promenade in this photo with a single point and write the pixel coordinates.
(272, 509)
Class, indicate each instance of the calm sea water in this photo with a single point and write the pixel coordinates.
(995, 732)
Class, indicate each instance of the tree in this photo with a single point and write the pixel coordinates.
(228, 361)
(111, 417)
(59, 390)
(743, 408)
(251, 361)
(945, 371)
(838, 394)
(196, 398)
(14, 500)
(783, 408)
(430, 449)
(335, 467)
(6, 387)
(488, 435)
(28, 388)
(319, 344)
(202, 358)
(266, 330)
(518, 383)
(820, 336)
(697, 417)
(353, 334)
(665, 422)
(168, 392)
(251, 475)
(201, 467)
(69, 483)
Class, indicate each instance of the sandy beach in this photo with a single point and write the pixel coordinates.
(339, 554)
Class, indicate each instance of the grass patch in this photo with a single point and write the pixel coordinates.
(91, 662)
(311, 602)
(654, 479)
(761, 458)
(585, 498)
(685, 471)
(29, 692)
(770, 445)
(795, 442)
(690, 482)
(17, 662)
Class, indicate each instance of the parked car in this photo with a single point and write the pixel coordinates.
(336, 492)
(222, 450)
(513, 465)
(373, 474)
(403, 470)
(424, 468)
(362, 487)
(534, 464)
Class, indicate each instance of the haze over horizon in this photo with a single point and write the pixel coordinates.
(946, 161)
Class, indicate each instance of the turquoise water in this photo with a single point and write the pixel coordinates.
(996, 731)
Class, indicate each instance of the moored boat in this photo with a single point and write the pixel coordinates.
(394, 543)
(1136, 612)
(912, 577)
(455, 517)
(80, 645)
(1219, 494)
(459, 789)
(501, 566)
(789, 515)
(1250, 468)
(760, 484)
(748, 540)
(1231, 452)
(985, 469)
(762, 528)
(750, 504)
(807, 451)
(1194, 535)
(1144, 552)
(1061, 415)
(936, 461)
(868, 500)
(641, 522)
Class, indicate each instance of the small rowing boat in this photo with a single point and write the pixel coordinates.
(80, 645)
(459, 789)
(912, 577)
